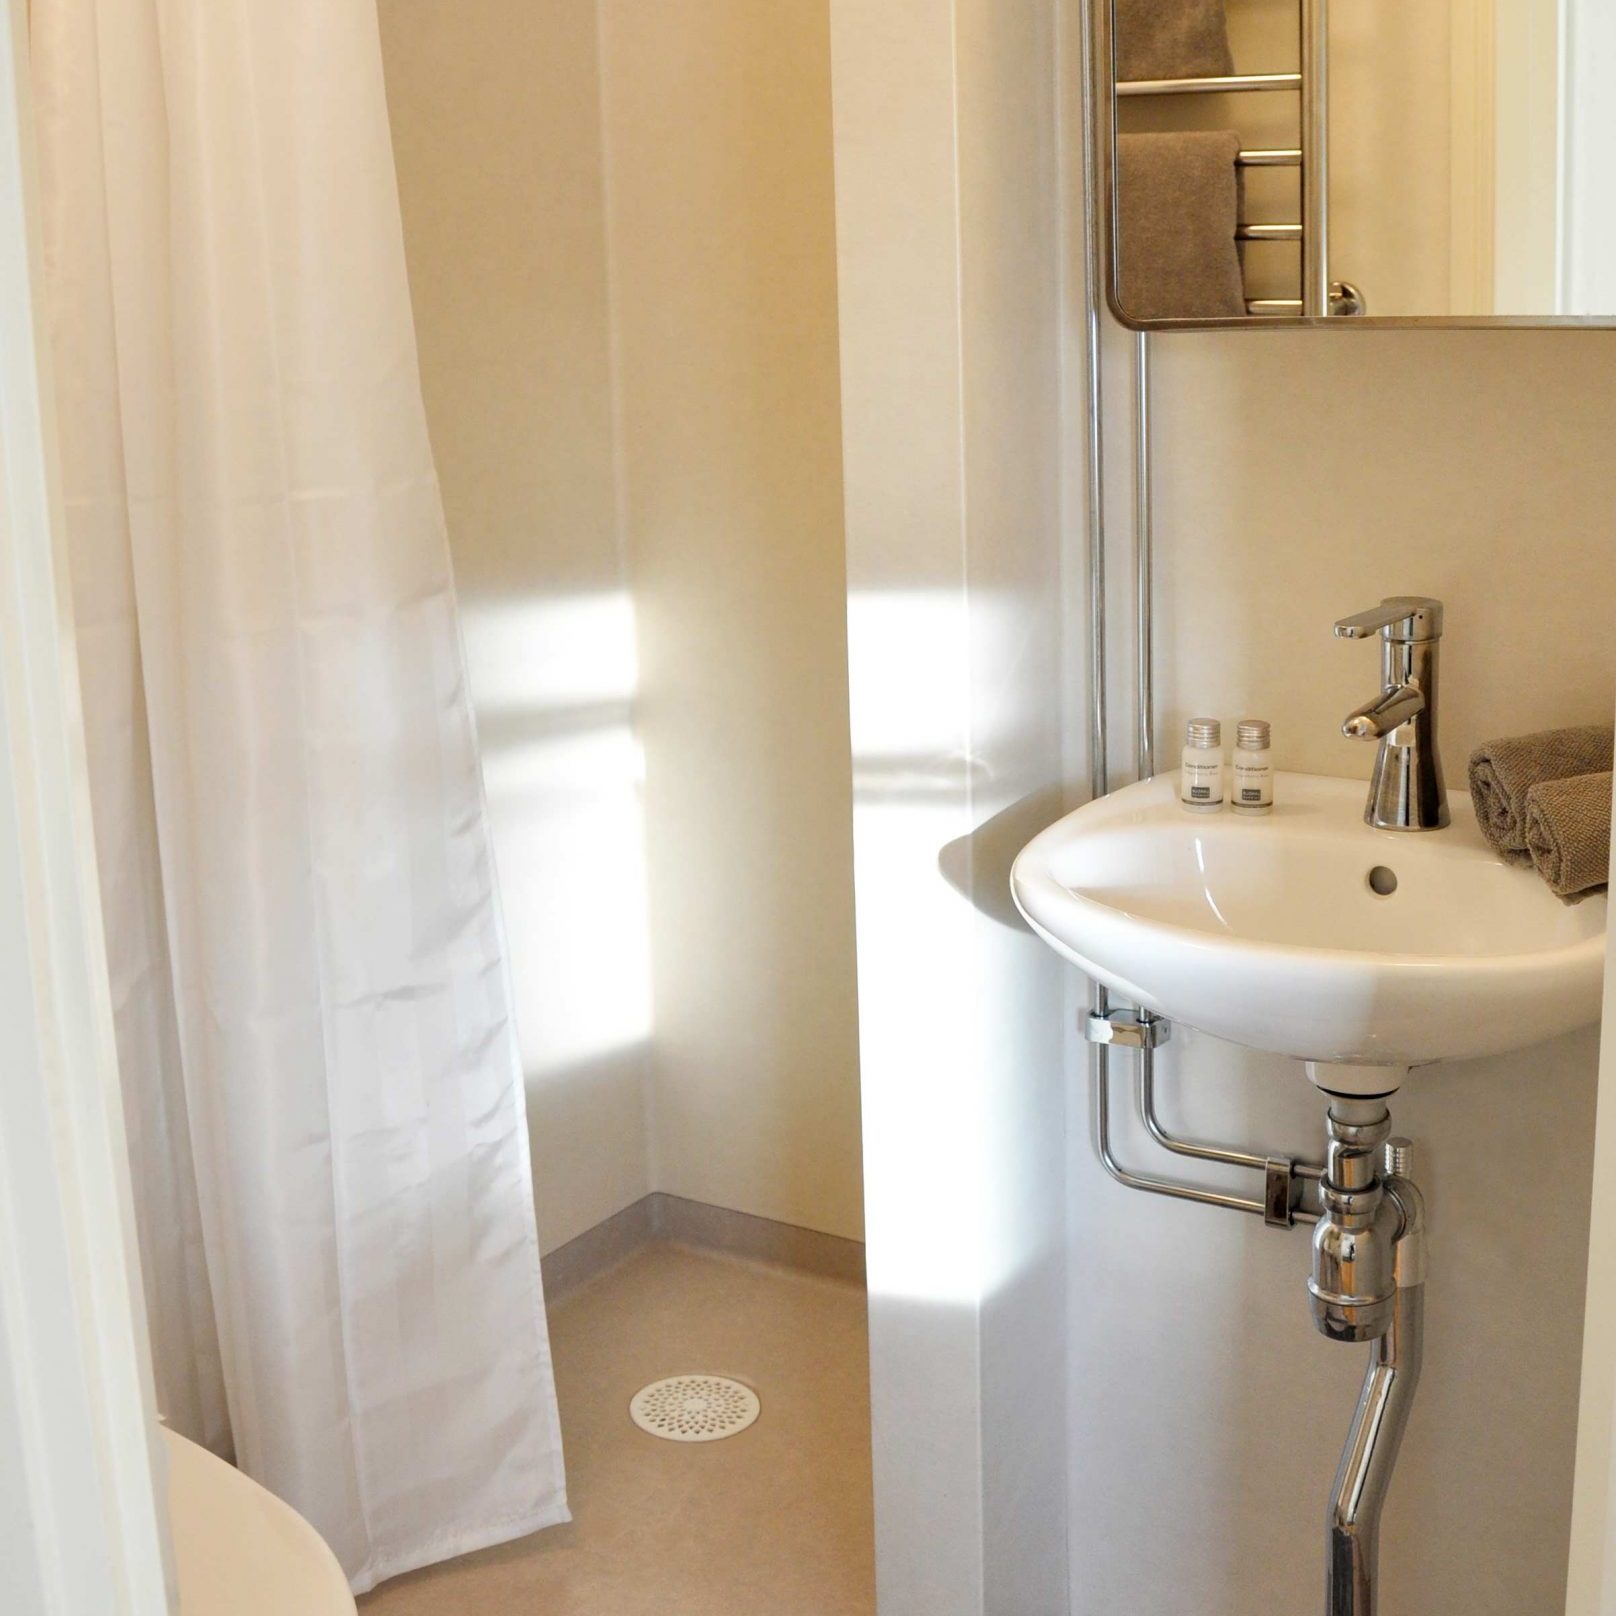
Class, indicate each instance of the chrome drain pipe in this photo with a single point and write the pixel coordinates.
(1368, 1287)
(1352, 1284)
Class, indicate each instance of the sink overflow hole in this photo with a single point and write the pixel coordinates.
(1382, 882)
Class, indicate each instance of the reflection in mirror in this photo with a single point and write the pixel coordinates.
(1446, 159)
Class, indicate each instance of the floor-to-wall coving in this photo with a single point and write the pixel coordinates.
(621, 246)
(1301, 476)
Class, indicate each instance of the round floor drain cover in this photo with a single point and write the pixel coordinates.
(694, 1408)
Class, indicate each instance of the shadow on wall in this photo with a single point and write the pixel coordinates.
(978, 866)
(579, 1116)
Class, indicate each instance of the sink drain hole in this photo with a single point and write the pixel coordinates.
(1382, 882)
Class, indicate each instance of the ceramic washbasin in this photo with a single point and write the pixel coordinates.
(1269, 931)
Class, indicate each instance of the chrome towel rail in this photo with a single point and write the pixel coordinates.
(1315, 30)
(1232, 84)
(1345, 300)
(1311, 158)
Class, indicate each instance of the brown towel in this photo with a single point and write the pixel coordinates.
(1178, 203)
(1568, 834)
(1502, 772)
(1172, 39)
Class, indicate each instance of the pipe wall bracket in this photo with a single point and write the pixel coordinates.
(1127, 1029)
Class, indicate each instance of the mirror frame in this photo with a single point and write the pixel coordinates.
(1101, 130)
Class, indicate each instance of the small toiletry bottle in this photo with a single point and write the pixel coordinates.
(1253, 791)
(1200, 784)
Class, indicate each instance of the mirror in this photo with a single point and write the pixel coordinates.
(1266, 162)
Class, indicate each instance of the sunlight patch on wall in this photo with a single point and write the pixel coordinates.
(923, 1112)
(908, 672)
(551, 654)
(554, 681)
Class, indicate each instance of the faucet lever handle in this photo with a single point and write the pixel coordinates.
(1398, 617)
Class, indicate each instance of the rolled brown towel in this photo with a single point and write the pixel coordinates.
(1172, 39)
(1568, 833)
(1502, 772)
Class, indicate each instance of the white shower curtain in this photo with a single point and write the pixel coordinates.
(314, 1019)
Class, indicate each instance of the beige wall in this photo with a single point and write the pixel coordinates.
(621, 250)
(724, 298)
(1301, 476)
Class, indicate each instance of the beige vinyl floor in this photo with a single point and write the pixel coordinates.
(773, 1522)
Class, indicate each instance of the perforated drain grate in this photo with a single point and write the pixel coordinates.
(694, 1408)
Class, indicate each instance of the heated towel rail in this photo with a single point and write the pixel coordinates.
(1319, 294)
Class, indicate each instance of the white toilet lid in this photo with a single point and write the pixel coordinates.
(239, 1551)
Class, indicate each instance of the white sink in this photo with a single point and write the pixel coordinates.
(1268, 932)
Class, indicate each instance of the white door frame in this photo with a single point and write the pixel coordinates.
(83, 1523)
(1591, 1586)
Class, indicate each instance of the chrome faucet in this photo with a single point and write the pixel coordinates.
(1406, 791)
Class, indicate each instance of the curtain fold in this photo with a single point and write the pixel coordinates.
(314, 1017)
